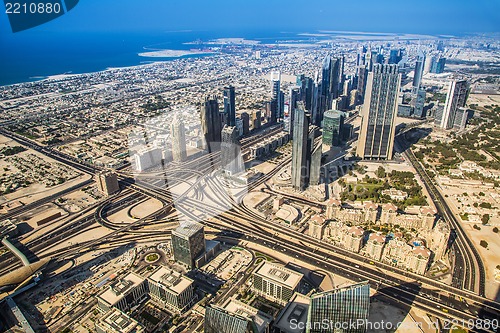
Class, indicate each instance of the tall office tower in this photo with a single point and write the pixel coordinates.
(369, 59)
(462, 116)
(380, 58)
(418, 102)
(315, 99)
(333, 122)
(393, 56)
(315, 164)
(177, 131)
(107, 182)
(376, 137)
(245, 118)
(361, 87)
(300, 152)
(231, 160)
(218, 320)
(256, 119)
(275, 96)
(345, 307)
(440, 46)
(458, 92)
(188, 243)
(211, 125)
(229, 106)
(281, 105)
(292, 105)
(360, 57)
(438, 65)
(419, 71)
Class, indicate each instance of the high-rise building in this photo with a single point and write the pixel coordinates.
(315, 164)
(276, 100)
(245, 118)
(256, 119)
(275, 282)
(211, 123)
(177, 131)
(458, 91)
(376, 139)
(344, 309)
(231, 159)
(333, 121)
(462, 116)
(419, 71)
(107, 182)
(188, 243)
(300, 172)
(294, 98)
(438, 66)
(418, 102)
(229, 106)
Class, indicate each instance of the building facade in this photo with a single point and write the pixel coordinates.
(188, 243)
(376, 139)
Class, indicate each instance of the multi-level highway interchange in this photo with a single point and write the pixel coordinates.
(78, 120)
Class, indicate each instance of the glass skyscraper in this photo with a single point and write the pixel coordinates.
(376, 139)
(333, 121)
(342, 310)
(229, 106)
(188, 243)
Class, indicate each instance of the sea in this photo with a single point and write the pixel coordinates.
(37, 55)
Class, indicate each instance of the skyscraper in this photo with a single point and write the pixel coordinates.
(188, 243)
(376, 137)
(419, 71)
(345, 309)
(300, 170)
(177, 131)
(417, 102)
(333, 122)
(438, 66)
(231, 160)
(229, 106)
(276, 99)
(458, 91)
(211, 124)
(292, 105)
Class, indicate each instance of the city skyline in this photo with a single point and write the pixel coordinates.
(271, 182)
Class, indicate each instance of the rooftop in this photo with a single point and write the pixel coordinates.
(260, 319)
(172, 280)
(120, 288)
(116, 321)
(188, 229)
(295, 310)
(279, 274)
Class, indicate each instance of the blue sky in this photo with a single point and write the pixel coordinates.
(424, 16)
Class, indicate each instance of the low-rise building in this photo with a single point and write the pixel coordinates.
(275, 282)
(123, 293)
(115, 321)
(171, 289)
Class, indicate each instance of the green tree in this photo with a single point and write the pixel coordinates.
(380, 173)
(483, 243)
(485, 219)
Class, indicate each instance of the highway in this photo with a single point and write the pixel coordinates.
(469, 272)
(245, 225)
